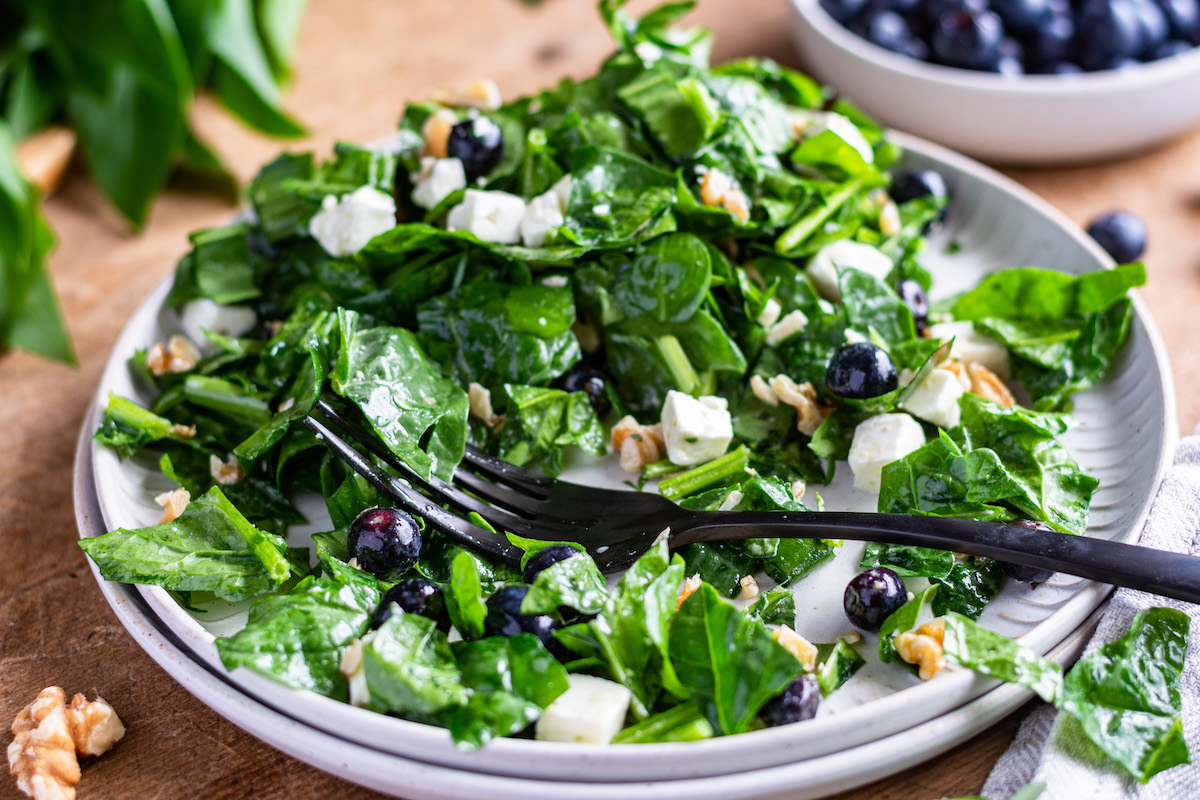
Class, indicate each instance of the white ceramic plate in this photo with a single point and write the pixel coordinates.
(804, 779)
(1126, 439)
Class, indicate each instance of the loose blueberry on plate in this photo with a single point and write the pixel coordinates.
(796, 703)
(861, 370)
(384, 541)
(1019, 572)
(414, 596)
(545, 557)
(504, 618)
(478, 143)
(913, 295)
(582, 378)
(1121, 234)
(920, 183)
(872, 596)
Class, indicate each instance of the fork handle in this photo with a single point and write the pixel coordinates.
(1160, 572)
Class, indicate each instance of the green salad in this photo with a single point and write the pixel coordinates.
(708, 274)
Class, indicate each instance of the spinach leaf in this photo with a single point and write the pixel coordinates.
(1032, 293)
(574, 582)
(219, 267)
(299, 637)
(681, 723)
(973, 646)
(969, 587)
(402, 395)
(547, 420)
(908, 561)
(721, 565)
(410, 668)
(617, 199)
(128, 427)
(903, 619)
(1125, 695)
(209, 547)
(464, 597)
(667, 279)
(727, 661)
(873, 307)
(776, 606)
(836, 664)
(680, 112)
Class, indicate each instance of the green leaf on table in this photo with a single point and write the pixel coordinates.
(402, 395)
(209, 547)
(970, 644)
(728, 661)
(299, 637)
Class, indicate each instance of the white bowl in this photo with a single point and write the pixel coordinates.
(1028, 119)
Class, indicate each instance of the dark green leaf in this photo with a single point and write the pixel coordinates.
(1032, 293)
(973, 646)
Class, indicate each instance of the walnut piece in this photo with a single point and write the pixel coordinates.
(749, 586)
(717, 190)
(177, 355)
(480, 400)
(802, 397)
(637, 444)
(804, 650)
(47, 735)
(173, 504)
(923, 647)
(436, 132)
(226, 473)
(690, 585)
(988, 385)
(483, 94)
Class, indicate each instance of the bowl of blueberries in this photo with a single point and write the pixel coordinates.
(1019, 82)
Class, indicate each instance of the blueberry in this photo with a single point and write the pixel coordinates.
(861, 370)
(1172, 47)
(1154, 25)
(796, 703)
(1121, 234)
(969, 39)
(1019, 572)
(1051, 44)
(413, 596)
(545, 557)
(913, 295)
(873, 596)
(843, 10)
(929, 11)
(890, 31)
(1063, 68)
(582, 378)
(1184, 18)
(385, 542)
(478, 144)
(1021, 15)
(919, 183)
(1012, 57)
(504, 618)
(1108, 32)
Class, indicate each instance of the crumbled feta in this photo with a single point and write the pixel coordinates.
(591, 710)
(935, 400)
(770, 313)
(823, 273)
(198, 316)
(438, 178)
(543, 215)
(792, 323)
(731, 500)
(972, 347)
(555, 281)
(695, 430)
(878, 441)
(811, 123)
(562, 188)
(344, 226)
(491, 216)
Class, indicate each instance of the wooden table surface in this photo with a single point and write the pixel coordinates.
(357, 64)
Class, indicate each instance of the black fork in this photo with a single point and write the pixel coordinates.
(615, 527)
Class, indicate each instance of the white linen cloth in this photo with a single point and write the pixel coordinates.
(1052, 748)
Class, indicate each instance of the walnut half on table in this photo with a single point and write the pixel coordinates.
(47, 736)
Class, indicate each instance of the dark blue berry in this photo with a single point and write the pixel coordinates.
(969, 39)
(844, 10)
(890, 31)
(1021, 15)
(873, 596)
(545, 557)
(1064, 68)
(1051, 44)
(1184, 18)
(1019, 572)
(797, 702)
(1172, 47)
(582, 378)
(1121, 234)
(414, 596)
(861, 370)
(478, 143)
(918, 183)
(504, 618)
(1109, 32)
(1154, 25)
(913, 295)
(384, 541)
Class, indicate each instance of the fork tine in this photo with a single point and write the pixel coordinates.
(413, 501)
(497, 469)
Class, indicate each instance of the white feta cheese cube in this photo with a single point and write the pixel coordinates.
(694, 430)
(344, 226)
(439, 177)
(823, 273)
(770, 313)
(562, 190)
(971, 346)
(878, 441)
(542, 215)
(786, 328)
(935, 400)
(198, 316)
(491, 216)
(591, 710)
(811, 123)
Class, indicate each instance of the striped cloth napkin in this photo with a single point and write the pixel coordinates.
(1052, 748)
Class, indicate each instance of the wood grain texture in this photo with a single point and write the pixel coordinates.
(358, 63)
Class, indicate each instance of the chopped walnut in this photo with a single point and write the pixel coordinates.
(480, 400)
(183, 431)
(749, 588)
(959, 370)
(690, 585)
(735, 203)
(47, 735)
(226, 473)
(637, 444)
(436, 132)
(889, 219)
(803, 398)
(763, 391)
(798, 488)
(804, 650)
(177, 355)
(273, 327)
(852, 637)
(988, 385)
(173, 504)
(483, 94)
(717, 190)
(587, 334)
(923, 647)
